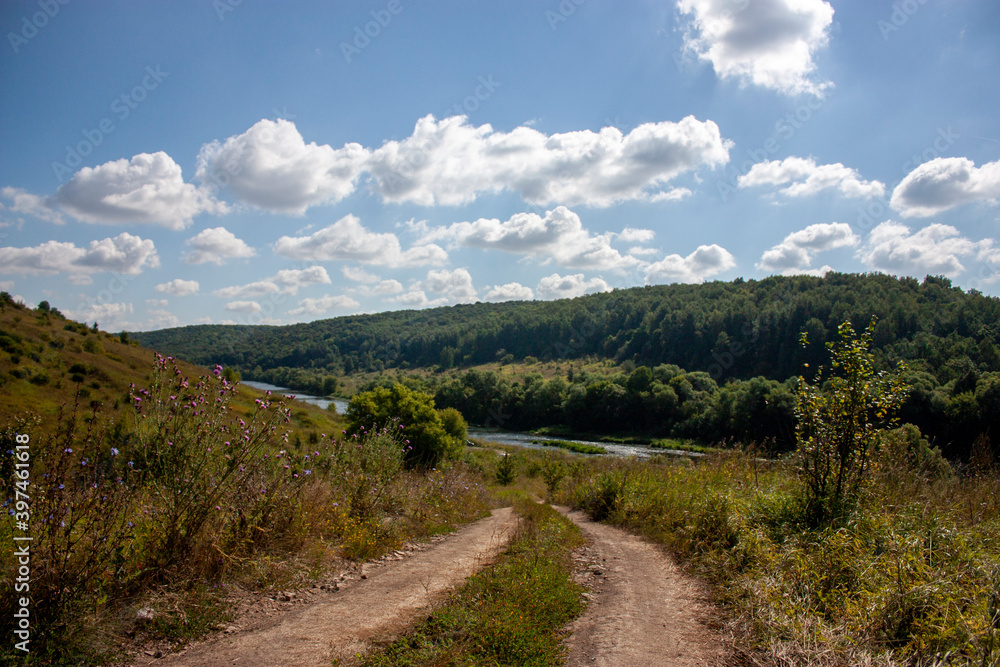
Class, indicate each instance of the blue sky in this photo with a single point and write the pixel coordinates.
(167, 164)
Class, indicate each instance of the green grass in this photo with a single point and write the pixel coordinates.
(507, 614)
(137, 503)
(577, 447)
(684, 446)
(912, 578)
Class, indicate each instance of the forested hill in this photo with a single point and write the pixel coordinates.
(739, 329)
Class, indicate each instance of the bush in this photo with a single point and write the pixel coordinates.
(413, 413)
(842, 425)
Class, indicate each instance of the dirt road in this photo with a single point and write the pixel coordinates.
(643, 610)
(384, 598)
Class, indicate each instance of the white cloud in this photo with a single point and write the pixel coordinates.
(271, 167)
(673, 194)
(795, 253)
(417, 299)
(358, 275)
(110, 316)
(157, 303)
(286, 281)
(158, 319)
(323, 305)
(769, 43)
(178, 287)
(637, 235)
(28, 204)
(124, 253)
(933, 250)
(567, 287)
(944, 183)
(558, 236)
(451, 162)
(455, 285)
(639, 251)
(704, 262)
(215, 245)
(807, 178)
(383, 287)
(509, 292)
(347, 239)
(248, 307)
(148, 189)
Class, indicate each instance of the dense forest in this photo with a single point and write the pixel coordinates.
(715, 346)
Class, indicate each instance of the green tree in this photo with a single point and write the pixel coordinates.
(454, 424)
(840, 426)
(412, 412)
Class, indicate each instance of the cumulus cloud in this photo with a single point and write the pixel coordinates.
(807, 178)
(451, 286)
(110, 316)
(248, 307)
(324, 304)
(558, 236)
(944, 183)
(179, 287)
(358, 275)
(637, 235)
(124, 253)
(704, 262)
(455, 285)
(451, 162)
(934, 250)
(768, 43)
(568, 287)
(215, 245)
(26, 203)
(383, 287)
(509, 292)
(286, 281)
(795, 253)
(272, 167)
(347, 239)
(673, 194)
(148, 189)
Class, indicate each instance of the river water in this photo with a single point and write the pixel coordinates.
(305, 398)
(499, 437)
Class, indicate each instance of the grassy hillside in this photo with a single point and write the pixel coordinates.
(49, 363)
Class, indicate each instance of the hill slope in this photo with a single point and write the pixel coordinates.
(740, 329)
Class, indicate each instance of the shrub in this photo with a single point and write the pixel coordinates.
(841, 427)
(420, 425)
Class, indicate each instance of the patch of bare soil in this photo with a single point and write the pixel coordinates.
(643, 610)
(338, 621)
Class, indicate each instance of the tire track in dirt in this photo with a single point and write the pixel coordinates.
(385, 600)
(643, 610)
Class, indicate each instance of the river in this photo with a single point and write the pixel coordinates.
(499, 437)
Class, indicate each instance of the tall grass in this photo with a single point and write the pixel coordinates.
(161, 508)
(912, 578)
